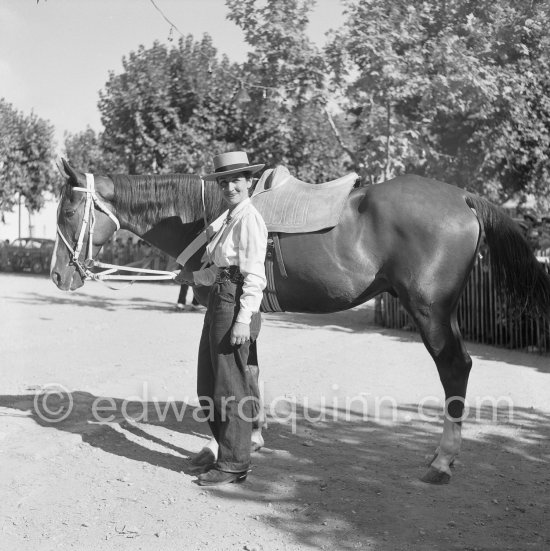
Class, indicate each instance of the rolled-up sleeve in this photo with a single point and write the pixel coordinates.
(252, 249)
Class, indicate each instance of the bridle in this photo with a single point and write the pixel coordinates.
(88, 224)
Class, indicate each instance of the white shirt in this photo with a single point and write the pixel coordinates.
(242, 242)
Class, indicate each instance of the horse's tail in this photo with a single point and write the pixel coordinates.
(514, 266)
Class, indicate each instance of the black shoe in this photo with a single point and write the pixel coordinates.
(215, 477)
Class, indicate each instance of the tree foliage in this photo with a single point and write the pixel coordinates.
(167, 106)
(172, 108)
(458, 90)
(26, 153)
(287, 76)
(85, 149)
(454, 89)
(449, 89)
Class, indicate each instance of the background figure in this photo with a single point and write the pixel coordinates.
(182, 299)
(181, 303)
(129, 251)
(143, 257)
(4, 262)
(118, 252)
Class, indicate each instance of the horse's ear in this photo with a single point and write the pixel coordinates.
(59, 164)
(76, 178)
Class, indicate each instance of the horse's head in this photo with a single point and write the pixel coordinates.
(84, 209)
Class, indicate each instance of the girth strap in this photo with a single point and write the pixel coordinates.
(279, 254)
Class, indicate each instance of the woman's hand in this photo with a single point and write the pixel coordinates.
(240, 333)
(185, 277)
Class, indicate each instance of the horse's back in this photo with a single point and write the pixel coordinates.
(419, 204)
(420, 194)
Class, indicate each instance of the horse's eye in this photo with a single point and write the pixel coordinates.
(69, 213)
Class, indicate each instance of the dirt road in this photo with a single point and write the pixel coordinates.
(353, 411)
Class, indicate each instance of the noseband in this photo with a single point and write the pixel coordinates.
(88, 222)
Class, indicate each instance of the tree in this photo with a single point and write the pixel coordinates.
(433, 87)
(171, 108)
(85, 149)
(26, 152)
(10, 167)
(285, 76)
(167, 106)
(520, 156)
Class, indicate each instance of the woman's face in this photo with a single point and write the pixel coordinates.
(234, 188)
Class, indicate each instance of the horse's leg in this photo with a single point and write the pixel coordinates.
(259, 422)
(440, 333)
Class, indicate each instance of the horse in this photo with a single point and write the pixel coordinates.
(410, 236)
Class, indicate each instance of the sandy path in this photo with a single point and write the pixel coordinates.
(335, 483)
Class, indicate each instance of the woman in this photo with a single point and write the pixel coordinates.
(232, 320)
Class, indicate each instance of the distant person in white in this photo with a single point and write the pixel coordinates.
(232, 321)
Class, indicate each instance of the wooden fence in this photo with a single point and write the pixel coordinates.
(483, 316)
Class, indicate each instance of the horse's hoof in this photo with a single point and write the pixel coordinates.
(257, 442)
(435, 476)
(430, 459)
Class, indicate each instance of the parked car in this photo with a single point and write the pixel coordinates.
(30, 253)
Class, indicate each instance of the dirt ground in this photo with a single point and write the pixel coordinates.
(103, 465)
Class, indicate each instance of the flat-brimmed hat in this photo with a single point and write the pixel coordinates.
(231, 163)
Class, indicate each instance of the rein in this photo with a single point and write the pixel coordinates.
(88, 221)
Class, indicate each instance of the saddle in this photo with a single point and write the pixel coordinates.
(289, 205)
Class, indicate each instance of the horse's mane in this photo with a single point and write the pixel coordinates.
(148, 198)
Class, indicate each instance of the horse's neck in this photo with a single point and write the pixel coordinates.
(166, 228)
(172, 236)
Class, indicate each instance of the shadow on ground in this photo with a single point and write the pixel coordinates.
(104, 422)
(342, 478)
(357, 320)
(482, 351)
(93, 301)
(361, 320)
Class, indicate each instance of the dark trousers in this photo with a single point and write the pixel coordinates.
(182, 297)
(227, 377)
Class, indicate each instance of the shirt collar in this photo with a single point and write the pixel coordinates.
(239, 208)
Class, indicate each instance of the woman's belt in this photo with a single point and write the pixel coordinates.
(230, 273)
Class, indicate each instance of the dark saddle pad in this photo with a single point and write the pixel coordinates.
(289, 205)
